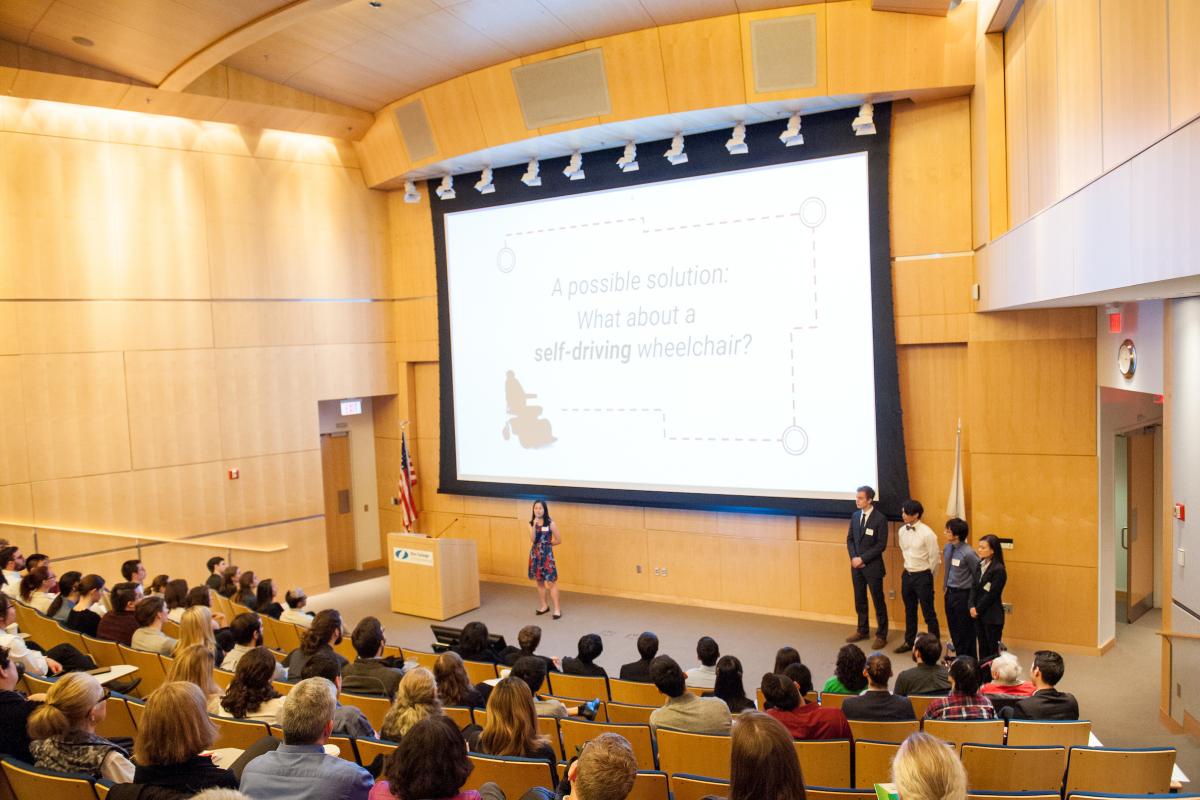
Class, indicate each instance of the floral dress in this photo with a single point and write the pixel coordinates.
(541, 556)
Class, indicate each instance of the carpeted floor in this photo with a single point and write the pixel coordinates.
(1118, 691)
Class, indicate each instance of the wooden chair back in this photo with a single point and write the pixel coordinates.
(368, 749)
(1067, 733)
(426, 660)
(118, 721)
(238, 733)
(171, 628)
(136, 710)
(287, 634)
(995, 768)
(1120, 771)
(103, 652)
(959, 732)
(29, 782)
(149, 669)
(981, 795)
(479, 715)
(283, 687)
(222, 678)
(921, 703)
(693, 753)
(834, 699)
(548, 727)
(872, 763)
(634, 693)
(460, 714)
(576, 732)
(373, 708)
(825, 762)
(479, 671)
(697, 787)
(622, 712)
(513, 775)
(827, 793)
(883, 731)
(578, 687)
(38, 685)
(650, 785)
(345, 648)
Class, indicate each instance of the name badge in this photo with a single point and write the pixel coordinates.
(956, 562)
(546, 529)
(869, 532)
(987, 587)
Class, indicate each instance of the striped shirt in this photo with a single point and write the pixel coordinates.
(961, 706)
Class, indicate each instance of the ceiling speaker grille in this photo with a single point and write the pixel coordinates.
(784, 52)
(415, 130)
(563, 89)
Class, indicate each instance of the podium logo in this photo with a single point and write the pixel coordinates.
(409, 556)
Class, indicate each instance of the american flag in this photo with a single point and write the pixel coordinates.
(408, 479)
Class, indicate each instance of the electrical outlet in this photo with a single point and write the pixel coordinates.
(1007, 608)
(664, 572)
(891, 594)
(639, 569)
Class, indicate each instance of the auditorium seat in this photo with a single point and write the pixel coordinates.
(480, 671)
(921, 703)
(1068, 733)
(825, 762)
(697, 787)
(622, 712)
(575, 732)
(283, 687)
(1144, 770)
(693, 753)
(149, 668)
(833, 793)
(982, 795)
(344, 648)
(834, 699)
(634, 693)
(27, 616)
(239, 733)
(28, 781)
(548, 727)
(344, 744)
(118, 721)
(577, 687)
(103, 652)
(171, 628)
(513, 775)
(479, 715)
(373, 708)
(883, 731)
(460, 714)
(426, 660)
(959, 732)
(368, 749)
(136, 709)
(37, 685)
(872, 763)
(601, 709)
(222, 678)
(650, 785)
(286, 635)
(998, 768)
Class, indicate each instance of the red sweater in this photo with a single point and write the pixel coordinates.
(811, 721)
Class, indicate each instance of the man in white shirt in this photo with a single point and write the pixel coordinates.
(12, 562)
(922, 554)
(705, 675)
(294, 611)
(247, 635)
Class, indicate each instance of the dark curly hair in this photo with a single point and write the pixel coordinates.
(851, 661)
(431, 761)
(324, 625)
(251, 685)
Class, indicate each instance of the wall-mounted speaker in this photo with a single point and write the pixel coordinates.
(415, 131)
(563, 89)
(784, 52)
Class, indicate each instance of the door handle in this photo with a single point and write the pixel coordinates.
(343, 501)
(1124, 538)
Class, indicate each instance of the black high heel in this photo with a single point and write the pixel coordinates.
(543, 611)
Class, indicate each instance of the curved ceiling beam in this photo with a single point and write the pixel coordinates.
(240, 38)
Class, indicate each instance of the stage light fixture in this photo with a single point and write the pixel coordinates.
(574, 168)
(791, 135)
(737, 142)
(628, 160)
(531, 177)
(675, 152)
(445, 189)
(484, 185)
(411, 195)
(864, 123)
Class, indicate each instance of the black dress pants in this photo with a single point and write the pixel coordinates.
(861, 584)
(989, 638)
(917, 588)
(958, 619)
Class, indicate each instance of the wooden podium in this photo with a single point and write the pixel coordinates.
(432, 578)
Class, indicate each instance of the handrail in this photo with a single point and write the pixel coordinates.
(149, 537)
(1177, 635)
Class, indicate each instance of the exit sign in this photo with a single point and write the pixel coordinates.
(351, 407)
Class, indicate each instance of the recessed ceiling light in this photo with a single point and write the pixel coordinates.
(82, 41)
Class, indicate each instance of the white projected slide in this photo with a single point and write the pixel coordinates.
(711, 334)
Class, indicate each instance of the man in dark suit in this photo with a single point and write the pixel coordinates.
(647, 645)
(866, 541)
(1047, 702)
(877, 704)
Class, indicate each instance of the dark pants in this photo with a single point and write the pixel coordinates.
(917, 587)
(989, 639)
(861, 584)
(958, 619)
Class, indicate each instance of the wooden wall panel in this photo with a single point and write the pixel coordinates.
(633, 64)
(177, 501)
(702, 63)
(411, 227)
(825, 586)
(14, 455)
(818, 529)
(933, 292)
(354, 370)
(304, 563)
(933, 394)
(496, 102)
(668, 519)
(1052, 603)
(1184, 16)
(819, 89)
(274, 487)
(930, 174)
(352, 323)
(16, 506)
(10, 340)
(106, 563)
(929, 476)
(1079, 126)
(756, 526)
(775, 567)
(112, 325)
(172, 398)
(453, 118)
(1133, 76)
(693, 564)
(268, 400)
(1016, 119)
(1041, 85)
(96, 502)
(76, 419)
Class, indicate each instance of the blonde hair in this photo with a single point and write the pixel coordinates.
(195, 627)
(68, 704)
(416, 699)
(606, 769)
(511, 728)
(175, 725)
(194, 664)
(926, 769)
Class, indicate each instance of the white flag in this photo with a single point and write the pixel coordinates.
(956, 506)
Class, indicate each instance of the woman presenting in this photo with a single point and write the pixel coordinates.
(987, 607)
(543, 536)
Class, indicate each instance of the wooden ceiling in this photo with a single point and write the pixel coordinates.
(346, 50)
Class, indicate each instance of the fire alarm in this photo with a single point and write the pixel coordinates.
(1180, 512)
(234, 474)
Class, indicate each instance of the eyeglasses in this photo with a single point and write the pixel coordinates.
(104, 697)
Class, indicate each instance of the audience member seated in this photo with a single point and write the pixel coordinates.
(67, 597)
(647, 647)
(430, 762)
(848, 675)
(347, 720)
(216, 566)
(964, 700)
(34, 662)
(300, 769)
(64, 731)
(246, 629)
(532, 670)
(250, 695)
(173, 731)
(265, 599)
(150, 614)
(728, 685)
(511, 728)
(371, 673)
(202, 596)
(11, 564)
(33, 589)
(83, 618)
(454, 685)
(605, 770)
(925, 769)
(803, 720)
(590, 648)
(196, 628)
(158, 586)
(15, 709)
(528, 639)
(229, 581)
(1006, 677)
(784, 658)
(1047, 702)
(928, 676)
(763, 762)
(416, 699)
(877, 704)
(683, 710)
(247, 593)
(220, 794)
(194, 664)
(326, 631)
(175, 596)
(133, 572)
(705, 675)
(296, 600)
(120, 622)
(474, 644)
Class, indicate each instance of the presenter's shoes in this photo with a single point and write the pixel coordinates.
(857, 637)
(541, 611)
(904, 647)
(588, 710)
(557, 616)
(879, 643)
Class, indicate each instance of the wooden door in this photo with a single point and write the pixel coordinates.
(339, 507)
(1140, 539)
